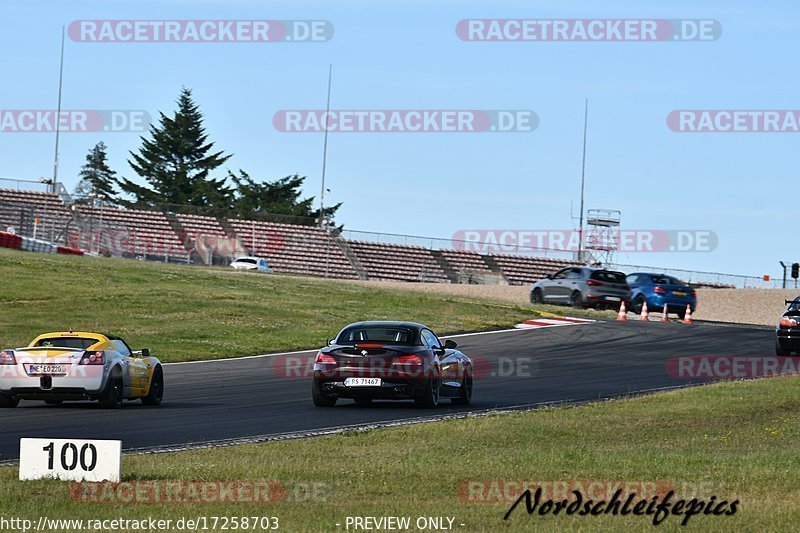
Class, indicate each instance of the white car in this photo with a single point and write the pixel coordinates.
(251, 263)
(79, 366)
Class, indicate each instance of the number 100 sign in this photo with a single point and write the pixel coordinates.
(70, 459)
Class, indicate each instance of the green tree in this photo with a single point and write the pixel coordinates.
(96, 178)
(259, 200)
(177, 162)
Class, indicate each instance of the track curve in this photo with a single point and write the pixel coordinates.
(240, 399)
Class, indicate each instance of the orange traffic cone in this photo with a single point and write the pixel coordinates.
(665, 314)
(645, 314)
(623, 313)
(687, 318)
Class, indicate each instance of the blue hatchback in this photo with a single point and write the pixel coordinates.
(660, 289)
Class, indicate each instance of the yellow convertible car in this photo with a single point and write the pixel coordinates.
(79, 366)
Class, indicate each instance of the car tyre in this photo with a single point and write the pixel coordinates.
(536, 296)
(8, 401)
(320, 400)
(576, 300)
(156, 392)
(780, 351)
(112, 397)
(430, 397)
(465, 398)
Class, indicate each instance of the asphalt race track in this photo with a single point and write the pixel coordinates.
(253, 397)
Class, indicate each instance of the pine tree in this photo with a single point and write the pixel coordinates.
(176, 162)
(96, 179)
(279, 197)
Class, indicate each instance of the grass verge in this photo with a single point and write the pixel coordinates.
(189, 313)
(735, 441)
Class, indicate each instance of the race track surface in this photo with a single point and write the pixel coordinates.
(252, 397)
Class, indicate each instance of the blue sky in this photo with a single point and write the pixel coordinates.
(406, 55)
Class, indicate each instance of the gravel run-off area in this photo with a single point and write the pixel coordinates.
(742, 306)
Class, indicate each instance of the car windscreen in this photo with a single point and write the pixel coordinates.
(667, 280)
(248, 261)
(608, 276)
(80, 343)
(394, 335)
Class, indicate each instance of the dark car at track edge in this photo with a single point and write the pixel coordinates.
(391, 361)
(787, 333)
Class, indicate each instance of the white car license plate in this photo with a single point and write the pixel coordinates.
(612, 298)
(35, 370)
(362, 382)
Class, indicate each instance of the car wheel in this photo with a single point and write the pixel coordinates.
(536, 296)
(780, 351)
(363, 401)
(576, 300)
(112, 397)
(430, 398)
(8, 401)
(156, 392)
(53, 402)
(638, 303)
(465, 398)
(320, 400)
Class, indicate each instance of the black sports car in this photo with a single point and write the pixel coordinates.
(787, 334)
(391, 361)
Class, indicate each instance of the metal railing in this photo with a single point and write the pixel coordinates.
(700, 277)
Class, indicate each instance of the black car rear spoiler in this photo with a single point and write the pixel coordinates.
(787, 302)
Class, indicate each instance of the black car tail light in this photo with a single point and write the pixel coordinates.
(411, 360)
(325, 359)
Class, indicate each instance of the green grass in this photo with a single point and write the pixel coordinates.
(734, 440)
(188, 313)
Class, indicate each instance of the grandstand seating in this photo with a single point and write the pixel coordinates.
(520, 269)
(200, 225)
(469, 261)
(289, 248)
(20, 209)
(139, 232)
(396, 262)
(293, 248)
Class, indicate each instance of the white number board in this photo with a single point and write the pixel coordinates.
(70, 459)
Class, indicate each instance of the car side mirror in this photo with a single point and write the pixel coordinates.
(144, 352)
(450, 344)
(549, 276)
(330, 342)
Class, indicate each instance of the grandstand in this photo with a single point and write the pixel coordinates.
(34, 214)
(395, 262)
(293, 248)
(288, 248)
(129, 232)
(520, 269)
